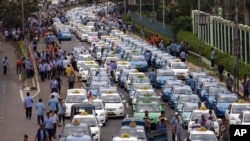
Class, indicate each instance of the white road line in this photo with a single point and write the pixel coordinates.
(21, 94)
(33, 83)
(38, 87)
(127, 105)
(124, 101)
(127, 115)
(20, 77)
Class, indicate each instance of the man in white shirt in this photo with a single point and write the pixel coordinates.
(5, 64)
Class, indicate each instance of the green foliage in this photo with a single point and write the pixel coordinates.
(20, 50)
(226, 59)
(182, 23)
(126, 17)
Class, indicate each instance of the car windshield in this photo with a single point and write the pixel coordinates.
(215, 91)
(247, 117)
(92, 34)
(190, 108)
(140, 85)
(120, 67)
(181, 90)
(96, 85)
(147, 107)
(197, 115)
(71, 130)
(165, 73)
(237, 109)
(75, 98)
(111, 98)
(134, 132)
(64, 31)
(108, 59)
(170, 85)
(185, 99)
(225, 99)
(98, 105)
(90, 121)
(142, 93)
(88, 66)
(179, 66)
(203, 137)
(137, 59)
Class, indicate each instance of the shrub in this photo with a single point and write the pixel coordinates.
(126, 17)
(20, 50)
(226, 59)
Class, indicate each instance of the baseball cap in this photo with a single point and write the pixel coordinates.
(176, 113)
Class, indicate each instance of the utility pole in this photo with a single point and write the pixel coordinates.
(125, 7)
(163, 14)
(198, 29)
(236, 48)
(153, 5)
(23, 29)
(140, 10)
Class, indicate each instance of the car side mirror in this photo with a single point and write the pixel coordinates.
(100, 125)
(93, 135)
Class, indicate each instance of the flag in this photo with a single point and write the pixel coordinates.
(90, 97)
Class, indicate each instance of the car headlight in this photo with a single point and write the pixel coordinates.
(102, 114)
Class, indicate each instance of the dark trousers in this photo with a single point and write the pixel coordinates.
(71, 85)
(54, 90)
(59, 87)
(54, 130)
(18, 69)
(183, 60)
(74, 65)
(245, 93)
(229, 88)
(28, 112)
(27, 73)
(212, 62)
(40, 120)
(221, 76)
(173, 136)
(60, 70)
(42, 74)
(4, 70)
(50, 133)
(61, 118)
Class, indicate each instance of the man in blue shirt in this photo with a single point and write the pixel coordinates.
(42, 70)
(183, 56)
(28, 102)
(5, 65)
(40, 109)
(54, 85)
(112, 68)
(49, 125)
(53, 102)
(191, 82)
(147, 56)
(152, 77)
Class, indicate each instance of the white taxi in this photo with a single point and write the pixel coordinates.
(130, 76)
(92, 37)
(119, 66)
(82, 58)
(100, 110)
(113, 104)
(180, 69)
(84, 69)
(92, 122)
(110, 58)
(234, 110)
(125, 137)
(244, 118)
(74, 96)
(201, 134)
(196, 114)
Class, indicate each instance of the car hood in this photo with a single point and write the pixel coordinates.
(186, 115)
(138, 62)
(153, 116)
(164, 78)
(223, 105)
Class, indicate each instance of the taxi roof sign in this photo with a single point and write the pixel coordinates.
(84, 113)
(125, 135)
(109, 92)
(203, 108)
(241, 101)
(140, 76)
(148, 94)
(88, 59)
(135, 71)
(146, 101)
(90, 62)
(76, 92)
(144, 87)
(177, 60)
(76, 122)
(132, 124)
(203, 129)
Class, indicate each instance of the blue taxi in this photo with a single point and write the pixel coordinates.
(167, 88)
(186, 111)
(162, 75)
(204, 88)
(182, 99)
(139, 63)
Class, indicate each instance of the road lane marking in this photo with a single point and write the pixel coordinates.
(20, 77)
(33, 83)
(124, 101)
(127, 105)
(127, 115)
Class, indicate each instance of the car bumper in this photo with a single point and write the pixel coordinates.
(116, 113)
(101, 119)
(142, 68)
(220, 112)
(97, 137)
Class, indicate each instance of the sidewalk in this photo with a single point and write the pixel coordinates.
(8, 49)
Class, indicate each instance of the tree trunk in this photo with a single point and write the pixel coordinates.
(246, 13)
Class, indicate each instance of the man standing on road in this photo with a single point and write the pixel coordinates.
(212, 56)
(71, 80)
(19, 65)
(220, 71)
(53, 102)
(152, 77)
(27, 63)
(229, 82)
(183, 56)
(5, 65)
(49, 125)
(42, 70)
(191, 83)
(54, 85)
(42, 134)
(40, 109)
(61, 112)
(28, 102)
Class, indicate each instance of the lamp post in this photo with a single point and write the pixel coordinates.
(163, 15)
(140, 10)
(236, 47)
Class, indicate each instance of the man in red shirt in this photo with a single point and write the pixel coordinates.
(19, 64)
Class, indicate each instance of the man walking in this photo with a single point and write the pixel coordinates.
(54, 85)
(212, 56)
(71, 80)
(183, 56)
(61, 112)
(220, 71)
(152, 77)
(49, 125)
(28, 102)
(42, 134)
(19, 65)
(40, 109)
(229, 82)
(53, 102)
(5, 65)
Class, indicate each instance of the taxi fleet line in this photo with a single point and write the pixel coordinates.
(129, 55)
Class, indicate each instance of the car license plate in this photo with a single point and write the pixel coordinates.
(110, 113)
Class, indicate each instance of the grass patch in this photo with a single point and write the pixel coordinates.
(197, 62)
